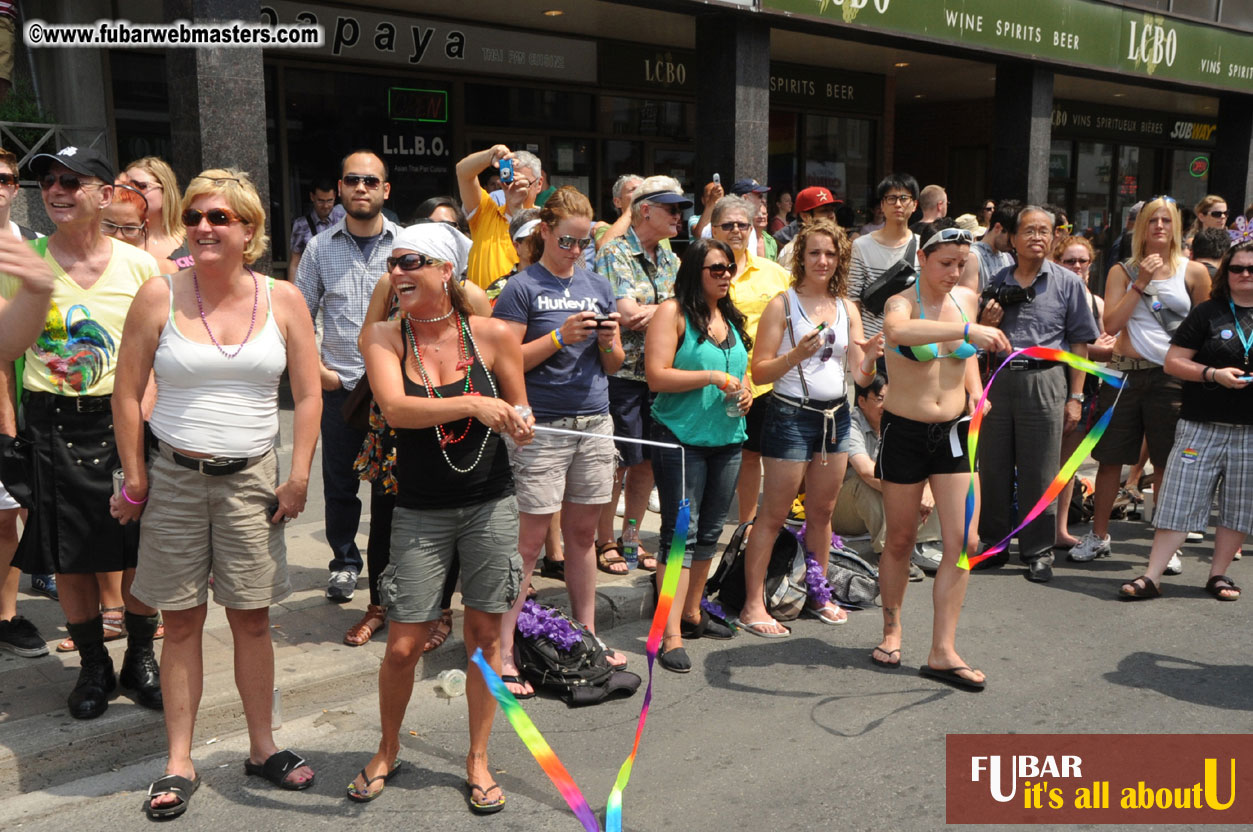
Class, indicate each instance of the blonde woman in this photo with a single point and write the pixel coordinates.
(154, 178)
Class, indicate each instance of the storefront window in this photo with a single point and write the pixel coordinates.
(141, 105)
(1094, 163)
(524, 107)
(646, 117)
(839, 156)
(1189, 176)
(781, 164)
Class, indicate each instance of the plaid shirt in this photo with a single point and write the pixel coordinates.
(300, 233)
(632, 275)
(335, 277)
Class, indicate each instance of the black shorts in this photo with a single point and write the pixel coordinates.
(753, 421)
(910, 451)
(631, 406)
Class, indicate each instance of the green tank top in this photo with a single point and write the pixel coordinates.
(698, 417)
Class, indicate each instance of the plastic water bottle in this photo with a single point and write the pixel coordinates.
(452, 683)
(631, 545)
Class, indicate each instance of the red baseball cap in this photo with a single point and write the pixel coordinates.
(813, 197)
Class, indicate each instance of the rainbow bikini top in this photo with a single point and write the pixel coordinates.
(930, 352)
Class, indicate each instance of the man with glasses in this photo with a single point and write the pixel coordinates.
(493, 254)
(326, 212)
(875, 253)
(337, 274)
(1033, 401)
(859, 508)
(66, 404)
(641, 273)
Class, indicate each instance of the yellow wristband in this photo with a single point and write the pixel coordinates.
(556, 335)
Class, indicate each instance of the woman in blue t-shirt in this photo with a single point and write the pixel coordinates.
(696, 360)
(562, 315)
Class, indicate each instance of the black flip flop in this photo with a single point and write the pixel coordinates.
(180, 787)
(367, 795)
(481, 807)
(896, 665)
(951, 676)
(518, 680)
(276, 769)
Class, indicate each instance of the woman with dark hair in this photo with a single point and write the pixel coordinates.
(1212, 351)
(696, 360)
(807, 339)
(932, 341)
(443, 209)
(782, 211)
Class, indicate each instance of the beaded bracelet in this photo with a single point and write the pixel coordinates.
(556, 336)
(128, 499)
(1138, 289)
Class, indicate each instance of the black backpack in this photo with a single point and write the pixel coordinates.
(580, 676)
(786, 590)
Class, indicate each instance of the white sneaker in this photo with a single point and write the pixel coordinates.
(1195, 537)
(1090, 547)
(1175, 565)
(341, 586)
(654, 502)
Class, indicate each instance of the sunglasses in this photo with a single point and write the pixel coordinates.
(1065, 228)
(1214, 214)
(129, 232)
(218, 180)
(720, 269)
(672, 210)
(828, 337)
(352, 180)
(735, 226)
(1070, 261)
(411, 262)
(1240, 270)
(1163, 198)
(216, 216)
(7, 179)
(950, 235)
(68, 181)
(141, 186)
(566, 243)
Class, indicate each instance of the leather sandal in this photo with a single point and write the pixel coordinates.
(1218, 584)
(1141, 589)
(607, 555)
(440, 632)
(114, 628)
(375, 619)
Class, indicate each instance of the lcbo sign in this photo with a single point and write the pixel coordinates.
(881, 6)
(1154, 44)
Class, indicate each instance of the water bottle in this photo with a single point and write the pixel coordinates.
(452, 683)
(631, 545)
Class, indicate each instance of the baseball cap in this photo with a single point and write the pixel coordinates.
(748, 186)
(82, 160)
(1134, 211)
(665, 198)
(812, 197)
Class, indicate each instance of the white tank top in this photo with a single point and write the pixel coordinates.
(824, 370)
(212, 404)
(1145, 331)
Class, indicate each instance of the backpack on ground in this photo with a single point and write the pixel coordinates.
(853, 581)
(785, 591)
(580, 675)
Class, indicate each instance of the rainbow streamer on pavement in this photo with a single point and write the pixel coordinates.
(535, 743)
(665, 599)
(1114, 377)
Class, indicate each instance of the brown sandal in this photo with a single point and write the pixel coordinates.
(440, 633)
(605, 560)
(375, 619)
(1218, 584)
(1141, 588)
(114, 628)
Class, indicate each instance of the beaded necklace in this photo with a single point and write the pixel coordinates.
(256, 298)
(467, 359)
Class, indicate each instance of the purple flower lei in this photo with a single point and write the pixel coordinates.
(713, 608)
(819, 590)
(537, 621)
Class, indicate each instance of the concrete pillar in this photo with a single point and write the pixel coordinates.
(733, 98)
(217, 98)
(1020, 144)
(1231, 168)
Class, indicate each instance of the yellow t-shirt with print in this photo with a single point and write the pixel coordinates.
(76, 354)
(751, 290)
(492, 255)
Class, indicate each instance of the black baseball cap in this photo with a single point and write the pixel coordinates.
(748, 186)
(665, 198)
(82, 160)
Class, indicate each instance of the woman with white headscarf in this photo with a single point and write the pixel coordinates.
(447, 383)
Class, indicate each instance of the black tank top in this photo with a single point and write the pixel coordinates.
(426, 481)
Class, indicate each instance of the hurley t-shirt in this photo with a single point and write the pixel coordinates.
(571, 382)
(1211, 330)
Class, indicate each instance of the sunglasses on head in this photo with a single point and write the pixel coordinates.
(1217, 214)
(69, 181)
(1163, 198)
(566, 242)
(1240, 270)
(721, 269)
(216, 217)
(352, 180)
(950, 235)
(411, 262)
(734, 226)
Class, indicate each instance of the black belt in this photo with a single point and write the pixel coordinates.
(36, 400)
(1031, 364)
(214, 466)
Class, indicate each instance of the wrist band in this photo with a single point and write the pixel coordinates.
(607, 349)
(787, 358)
(1138, 289)
(556, 334)
(128, 499)
(726, 381)
(966, 334)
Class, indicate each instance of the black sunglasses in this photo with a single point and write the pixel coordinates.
(669, 208)
(7, 179)
(216, 216)
(1240, 270)
(352, 180)
(411, 262)
(1214, 214)
(733, 226)
(1070, 261)
(720, 269)
(566, 242)
(68, 181)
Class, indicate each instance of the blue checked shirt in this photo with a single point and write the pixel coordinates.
(335, 277)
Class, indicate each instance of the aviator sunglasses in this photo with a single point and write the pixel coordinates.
(352, 180)
(565, 242)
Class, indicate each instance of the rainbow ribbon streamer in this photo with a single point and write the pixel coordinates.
(1114, 377)
(535, 743)
(542, 751)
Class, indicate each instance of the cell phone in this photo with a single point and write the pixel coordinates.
(271, 510)
(821, 326)
(717, 179)
(1244, 378)
(506, 171)
(601, 319)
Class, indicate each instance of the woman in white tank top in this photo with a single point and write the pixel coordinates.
(218, 337)
(808, 337)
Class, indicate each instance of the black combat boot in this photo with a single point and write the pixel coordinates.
(96, 680)
(140, 672)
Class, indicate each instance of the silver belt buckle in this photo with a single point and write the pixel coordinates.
(1019, 363)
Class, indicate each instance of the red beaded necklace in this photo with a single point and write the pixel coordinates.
(465, 361)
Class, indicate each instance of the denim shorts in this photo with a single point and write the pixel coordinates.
(795, 434)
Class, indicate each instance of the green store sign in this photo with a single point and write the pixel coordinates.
(1082, 33)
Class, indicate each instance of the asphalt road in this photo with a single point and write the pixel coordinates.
(791, 734)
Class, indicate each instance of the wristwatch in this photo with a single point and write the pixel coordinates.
(1077, 396)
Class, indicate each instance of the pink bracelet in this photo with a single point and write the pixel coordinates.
(128, 499)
